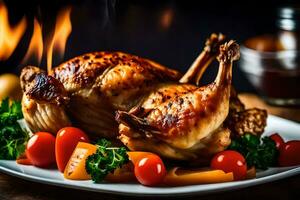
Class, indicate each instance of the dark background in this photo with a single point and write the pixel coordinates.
(135, 26)
(141, 28)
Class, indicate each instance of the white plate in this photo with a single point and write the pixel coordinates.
(289, 131)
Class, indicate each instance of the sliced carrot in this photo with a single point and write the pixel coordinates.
(126, 172)
(122, 175)
(175, 178)
(135, 156)
(23, 161)
(75, 168)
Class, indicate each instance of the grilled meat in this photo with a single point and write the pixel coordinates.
(251, 121)
(158, 109)
(239, 120)
(183, 121)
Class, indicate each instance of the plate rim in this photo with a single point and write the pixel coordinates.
(187, 190)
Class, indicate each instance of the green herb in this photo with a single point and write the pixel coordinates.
(105, 160)
(12, 137)
(261, 153)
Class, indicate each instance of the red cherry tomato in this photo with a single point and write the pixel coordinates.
(40, 149)
(289, 154)
(66, 141)
(278, 140)
(150, 170)
(230, 161)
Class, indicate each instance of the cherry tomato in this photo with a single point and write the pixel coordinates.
(230, 161)
(40, 149)
(150, 170)
(66, 141)
(289, 154)
(278, 140)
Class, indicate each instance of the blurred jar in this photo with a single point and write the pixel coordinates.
(272, 62)
(289, 26)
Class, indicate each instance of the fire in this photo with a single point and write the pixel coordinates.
(9, 36)
(62, 31)
(36, 44)
(166, 18)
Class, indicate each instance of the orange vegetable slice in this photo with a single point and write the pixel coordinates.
(24, 161)
(188, 177)
(126, 172)
(122, 175)
(75, 168)
(135, 156)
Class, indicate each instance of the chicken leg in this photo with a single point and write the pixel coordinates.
(239, 120)
(209, 53)
(182, 121)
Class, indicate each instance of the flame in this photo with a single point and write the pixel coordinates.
(36, 44)
(9, 36)
(63, 28)
(166, 19)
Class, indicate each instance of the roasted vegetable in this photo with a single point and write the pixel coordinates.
(67, 139)
(136, 156)
(261, 153)
(12, 137)
(75, 168)
(175, 178)
(40, 149)
(150, 170)
(105, 160)
(123, 174)
(230, 161)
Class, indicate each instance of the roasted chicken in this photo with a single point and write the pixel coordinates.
(87, 90)
(157, 109)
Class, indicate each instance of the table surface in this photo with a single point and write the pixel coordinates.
(14, 188)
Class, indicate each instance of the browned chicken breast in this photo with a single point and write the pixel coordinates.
(183, 121)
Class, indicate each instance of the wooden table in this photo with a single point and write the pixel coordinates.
(251, 100)
(12, 188)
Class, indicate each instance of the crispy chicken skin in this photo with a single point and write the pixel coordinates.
(119, 77)
(43, 104)
(87, 90)
(241, 120)
(183, 118)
